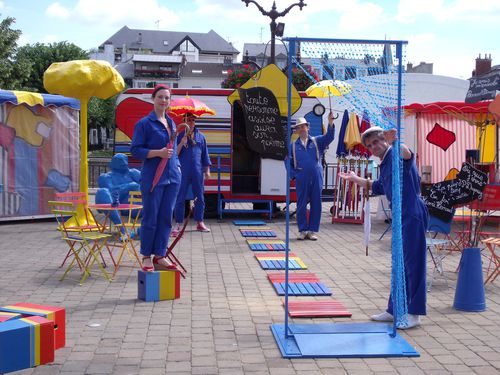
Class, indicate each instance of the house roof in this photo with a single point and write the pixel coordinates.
(166, 41)
(256, 49)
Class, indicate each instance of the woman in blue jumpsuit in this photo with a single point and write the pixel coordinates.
(414, 220)
(195, 166)
(152, 135)
(306, 154)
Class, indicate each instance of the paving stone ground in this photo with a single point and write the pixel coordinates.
(220, 325)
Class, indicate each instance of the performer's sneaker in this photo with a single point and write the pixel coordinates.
(201, 227)
(312, 236)
(382, 317)
(302, 236)
(413, 321)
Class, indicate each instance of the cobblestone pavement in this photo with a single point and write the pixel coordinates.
(220, 325)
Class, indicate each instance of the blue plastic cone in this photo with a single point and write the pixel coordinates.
(469, 295)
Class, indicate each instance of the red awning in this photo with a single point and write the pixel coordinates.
(447, 107)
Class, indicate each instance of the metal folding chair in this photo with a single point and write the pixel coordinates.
(84, 219)
(388, 219)
(493, 268)
(437, 240)
(85, 246)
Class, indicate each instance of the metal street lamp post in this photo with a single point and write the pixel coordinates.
(273, 14)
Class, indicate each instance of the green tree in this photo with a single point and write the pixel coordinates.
(43, 55)
(13, 70)
(102, 112)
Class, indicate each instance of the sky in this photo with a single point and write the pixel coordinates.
(451, 34)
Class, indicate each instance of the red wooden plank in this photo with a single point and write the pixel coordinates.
(314, 309)
(294, 277)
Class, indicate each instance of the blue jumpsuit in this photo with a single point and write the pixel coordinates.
(158, 205)
(414, 221)
(194, 160)
(309, 179)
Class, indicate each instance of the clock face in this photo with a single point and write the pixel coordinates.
(319, 109)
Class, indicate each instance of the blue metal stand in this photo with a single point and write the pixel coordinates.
(341, 340)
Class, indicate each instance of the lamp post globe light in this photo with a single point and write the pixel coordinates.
(277, 29)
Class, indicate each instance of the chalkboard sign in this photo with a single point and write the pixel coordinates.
(483, 88)
(466, 187)
(265, 127)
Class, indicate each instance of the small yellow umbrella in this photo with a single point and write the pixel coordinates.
(352, 136)
(329, 88)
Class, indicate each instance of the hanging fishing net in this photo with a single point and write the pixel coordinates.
(370, 83)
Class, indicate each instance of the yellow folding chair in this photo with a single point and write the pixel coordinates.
(85, 246)
(85, 219)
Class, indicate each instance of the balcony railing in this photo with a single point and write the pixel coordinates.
(156, 73)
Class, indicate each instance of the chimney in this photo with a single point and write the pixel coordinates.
(409, 67)
(483, 65)
(139, 38)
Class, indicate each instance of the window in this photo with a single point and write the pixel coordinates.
(196, 71)
(165, 42)
(187, 46)
(350, 72)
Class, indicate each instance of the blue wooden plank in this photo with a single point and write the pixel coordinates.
(248, 222)
(316, 288)
(303, 289)
(293, 265)
(310, 289)
(280, 288)
(325, 289)
(294, 289)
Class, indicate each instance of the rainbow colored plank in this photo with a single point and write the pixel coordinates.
(317, 309)
(262, 245)
(275, 261)
(299, 284)
(54, 313)
(4, 316)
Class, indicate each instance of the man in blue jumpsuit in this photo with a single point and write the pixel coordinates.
(414, 219)
(306, 155)
(195, 166)
(153, 140)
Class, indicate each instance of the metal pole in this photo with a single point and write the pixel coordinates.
(291, 53)
(273, 42)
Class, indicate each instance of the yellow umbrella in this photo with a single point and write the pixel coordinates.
(352, 136)
(329, 88)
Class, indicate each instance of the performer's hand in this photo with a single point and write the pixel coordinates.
(207, 174)
(352, 177)
(391, 135)
(183, 141)
(330, 118)
(165, 153)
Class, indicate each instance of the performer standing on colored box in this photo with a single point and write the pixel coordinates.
(153, 140)
(195, 166)
(414, 219)
(306, 155)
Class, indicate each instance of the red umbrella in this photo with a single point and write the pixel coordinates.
(163, 162)
(365, 124)
(182, 106)
(178, 108)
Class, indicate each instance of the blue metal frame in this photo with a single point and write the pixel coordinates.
(285, 335)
